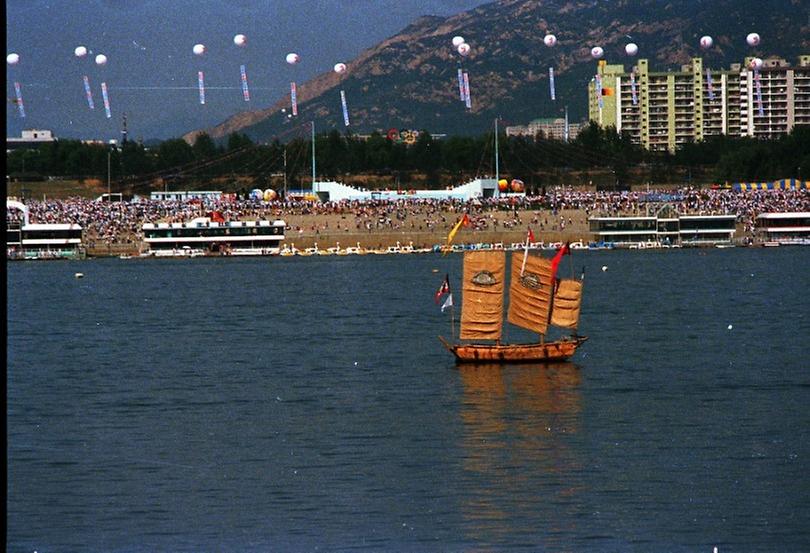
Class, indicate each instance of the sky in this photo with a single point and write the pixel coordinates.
(151, 73)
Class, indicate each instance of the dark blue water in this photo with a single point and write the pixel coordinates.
(303, 404)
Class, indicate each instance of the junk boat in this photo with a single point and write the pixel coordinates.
(537, 299)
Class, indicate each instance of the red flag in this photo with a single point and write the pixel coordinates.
(443, 289)
(466, 220)
(530, 236)
(216, 217)
(565, 249)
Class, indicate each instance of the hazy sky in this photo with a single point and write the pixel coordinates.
(152, 73)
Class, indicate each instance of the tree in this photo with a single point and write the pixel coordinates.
(174, 153)
(204, 147)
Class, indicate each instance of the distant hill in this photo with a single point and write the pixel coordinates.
(410, 79)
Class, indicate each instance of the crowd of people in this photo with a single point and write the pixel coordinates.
(121, 222)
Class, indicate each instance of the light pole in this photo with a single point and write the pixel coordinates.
(109, 188)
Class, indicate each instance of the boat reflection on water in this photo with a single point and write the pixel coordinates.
(522, 466)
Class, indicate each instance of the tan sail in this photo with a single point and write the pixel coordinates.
(483, 288)
(530, 294)
(567, 300)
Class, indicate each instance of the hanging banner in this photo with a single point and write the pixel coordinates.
(461, 94)
(88, 92)
(201, 84)
(709, 84)
(293, 99)
(345, 108)
(759, 94)
(245, 91)
(20, 106)
(598, 85)
(633, 88)
(467, 99)
(106, 98)
(551, 83)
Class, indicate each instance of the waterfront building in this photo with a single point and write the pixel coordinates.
(26, 240)
(785, 228)
(662, 111)
(548, 127)
(666, 228)
(204, 236)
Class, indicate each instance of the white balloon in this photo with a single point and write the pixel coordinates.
(80, 51)
(293, 58)
(458, 41)
(550, 40)
(13, 59)
(706, 42)
(597, 52)
(240, 40)
(464, 49)
(101, 59)
(631, 49)
(752, 39)
(755, 63)
(199, 49)
(340, 67)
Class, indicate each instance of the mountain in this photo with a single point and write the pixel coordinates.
(410, 80)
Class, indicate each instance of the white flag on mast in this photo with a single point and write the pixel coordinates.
(448, 302)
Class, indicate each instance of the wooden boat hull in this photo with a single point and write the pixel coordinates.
(515, 353)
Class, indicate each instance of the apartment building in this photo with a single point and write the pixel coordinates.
(662, 111)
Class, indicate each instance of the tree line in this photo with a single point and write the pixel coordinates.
(538, 160)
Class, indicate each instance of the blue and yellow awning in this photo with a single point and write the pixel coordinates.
(784, 184)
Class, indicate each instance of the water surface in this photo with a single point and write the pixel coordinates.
(302, 404)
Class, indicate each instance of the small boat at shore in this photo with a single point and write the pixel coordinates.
(537, 300)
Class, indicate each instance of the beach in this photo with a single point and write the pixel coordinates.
(562, 215)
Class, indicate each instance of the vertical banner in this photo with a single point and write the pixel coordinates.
(20, 106)
(293, 99)
(467, 99)
(598, 85)
(709, 83)
(461, 94)
(759, 94)
(88, 92)
(633, 88)
(245, 90)
(551, 83)
(201, 84)
(106, 98)
(345, 108)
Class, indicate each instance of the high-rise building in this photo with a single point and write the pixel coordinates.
(665, 110)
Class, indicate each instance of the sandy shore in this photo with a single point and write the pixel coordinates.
(336, 230)
(333, 230)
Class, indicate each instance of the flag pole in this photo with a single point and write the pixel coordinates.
(525, 253)
(453, 321)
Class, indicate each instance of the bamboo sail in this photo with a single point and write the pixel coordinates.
(530, 307)
(483, 290)
(530, 294)
(567, 300)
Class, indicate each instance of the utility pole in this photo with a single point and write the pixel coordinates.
(566, 124)
(313, 156)
(285, 173)
(124, 130)
(497, 169)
